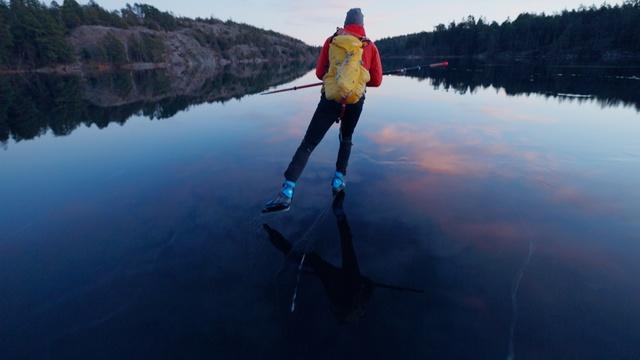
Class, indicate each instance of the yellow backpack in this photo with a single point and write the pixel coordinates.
(346, 79)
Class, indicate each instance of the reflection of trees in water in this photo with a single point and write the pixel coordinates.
(32, 105)
(609, 87)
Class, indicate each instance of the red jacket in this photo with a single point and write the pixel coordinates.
(370, 57)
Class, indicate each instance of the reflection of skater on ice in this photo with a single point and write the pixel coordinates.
(347, 289)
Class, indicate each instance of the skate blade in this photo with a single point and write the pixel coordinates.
(275, 209)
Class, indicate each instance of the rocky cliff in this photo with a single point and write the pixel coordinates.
(206, 46)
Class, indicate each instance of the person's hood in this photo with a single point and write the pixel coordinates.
(355, 29)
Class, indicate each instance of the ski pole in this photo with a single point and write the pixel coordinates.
(419, 67)
(396, 71)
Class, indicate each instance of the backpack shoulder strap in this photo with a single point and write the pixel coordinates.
(339, 31)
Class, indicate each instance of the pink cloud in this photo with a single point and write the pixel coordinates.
(507, 115)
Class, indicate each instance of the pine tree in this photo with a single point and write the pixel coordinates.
(114, 49)
(134, 49)
(24, 28)
(96, 15)
(38, 35)
(153, 48)
(72, 14)
(6, 39)
(53, 44)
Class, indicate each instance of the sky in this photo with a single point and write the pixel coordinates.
(313, 20)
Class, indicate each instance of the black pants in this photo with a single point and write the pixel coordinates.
(326, 114)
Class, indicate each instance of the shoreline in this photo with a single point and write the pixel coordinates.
(93, 68)
(77, 69)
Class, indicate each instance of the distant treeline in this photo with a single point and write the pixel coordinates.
(33, 34)
(605, 33)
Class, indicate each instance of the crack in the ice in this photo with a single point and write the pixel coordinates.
(295, 291)
(514, 301)
(307, 247)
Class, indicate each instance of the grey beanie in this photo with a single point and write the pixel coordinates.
(354, 16)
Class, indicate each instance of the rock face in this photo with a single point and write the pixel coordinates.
(207, 46)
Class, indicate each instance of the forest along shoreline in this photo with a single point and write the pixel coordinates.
(606, 34)
(74, 39)
(77, 69)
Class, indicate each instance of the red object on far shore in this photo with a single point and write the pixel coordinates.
(441, 64)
